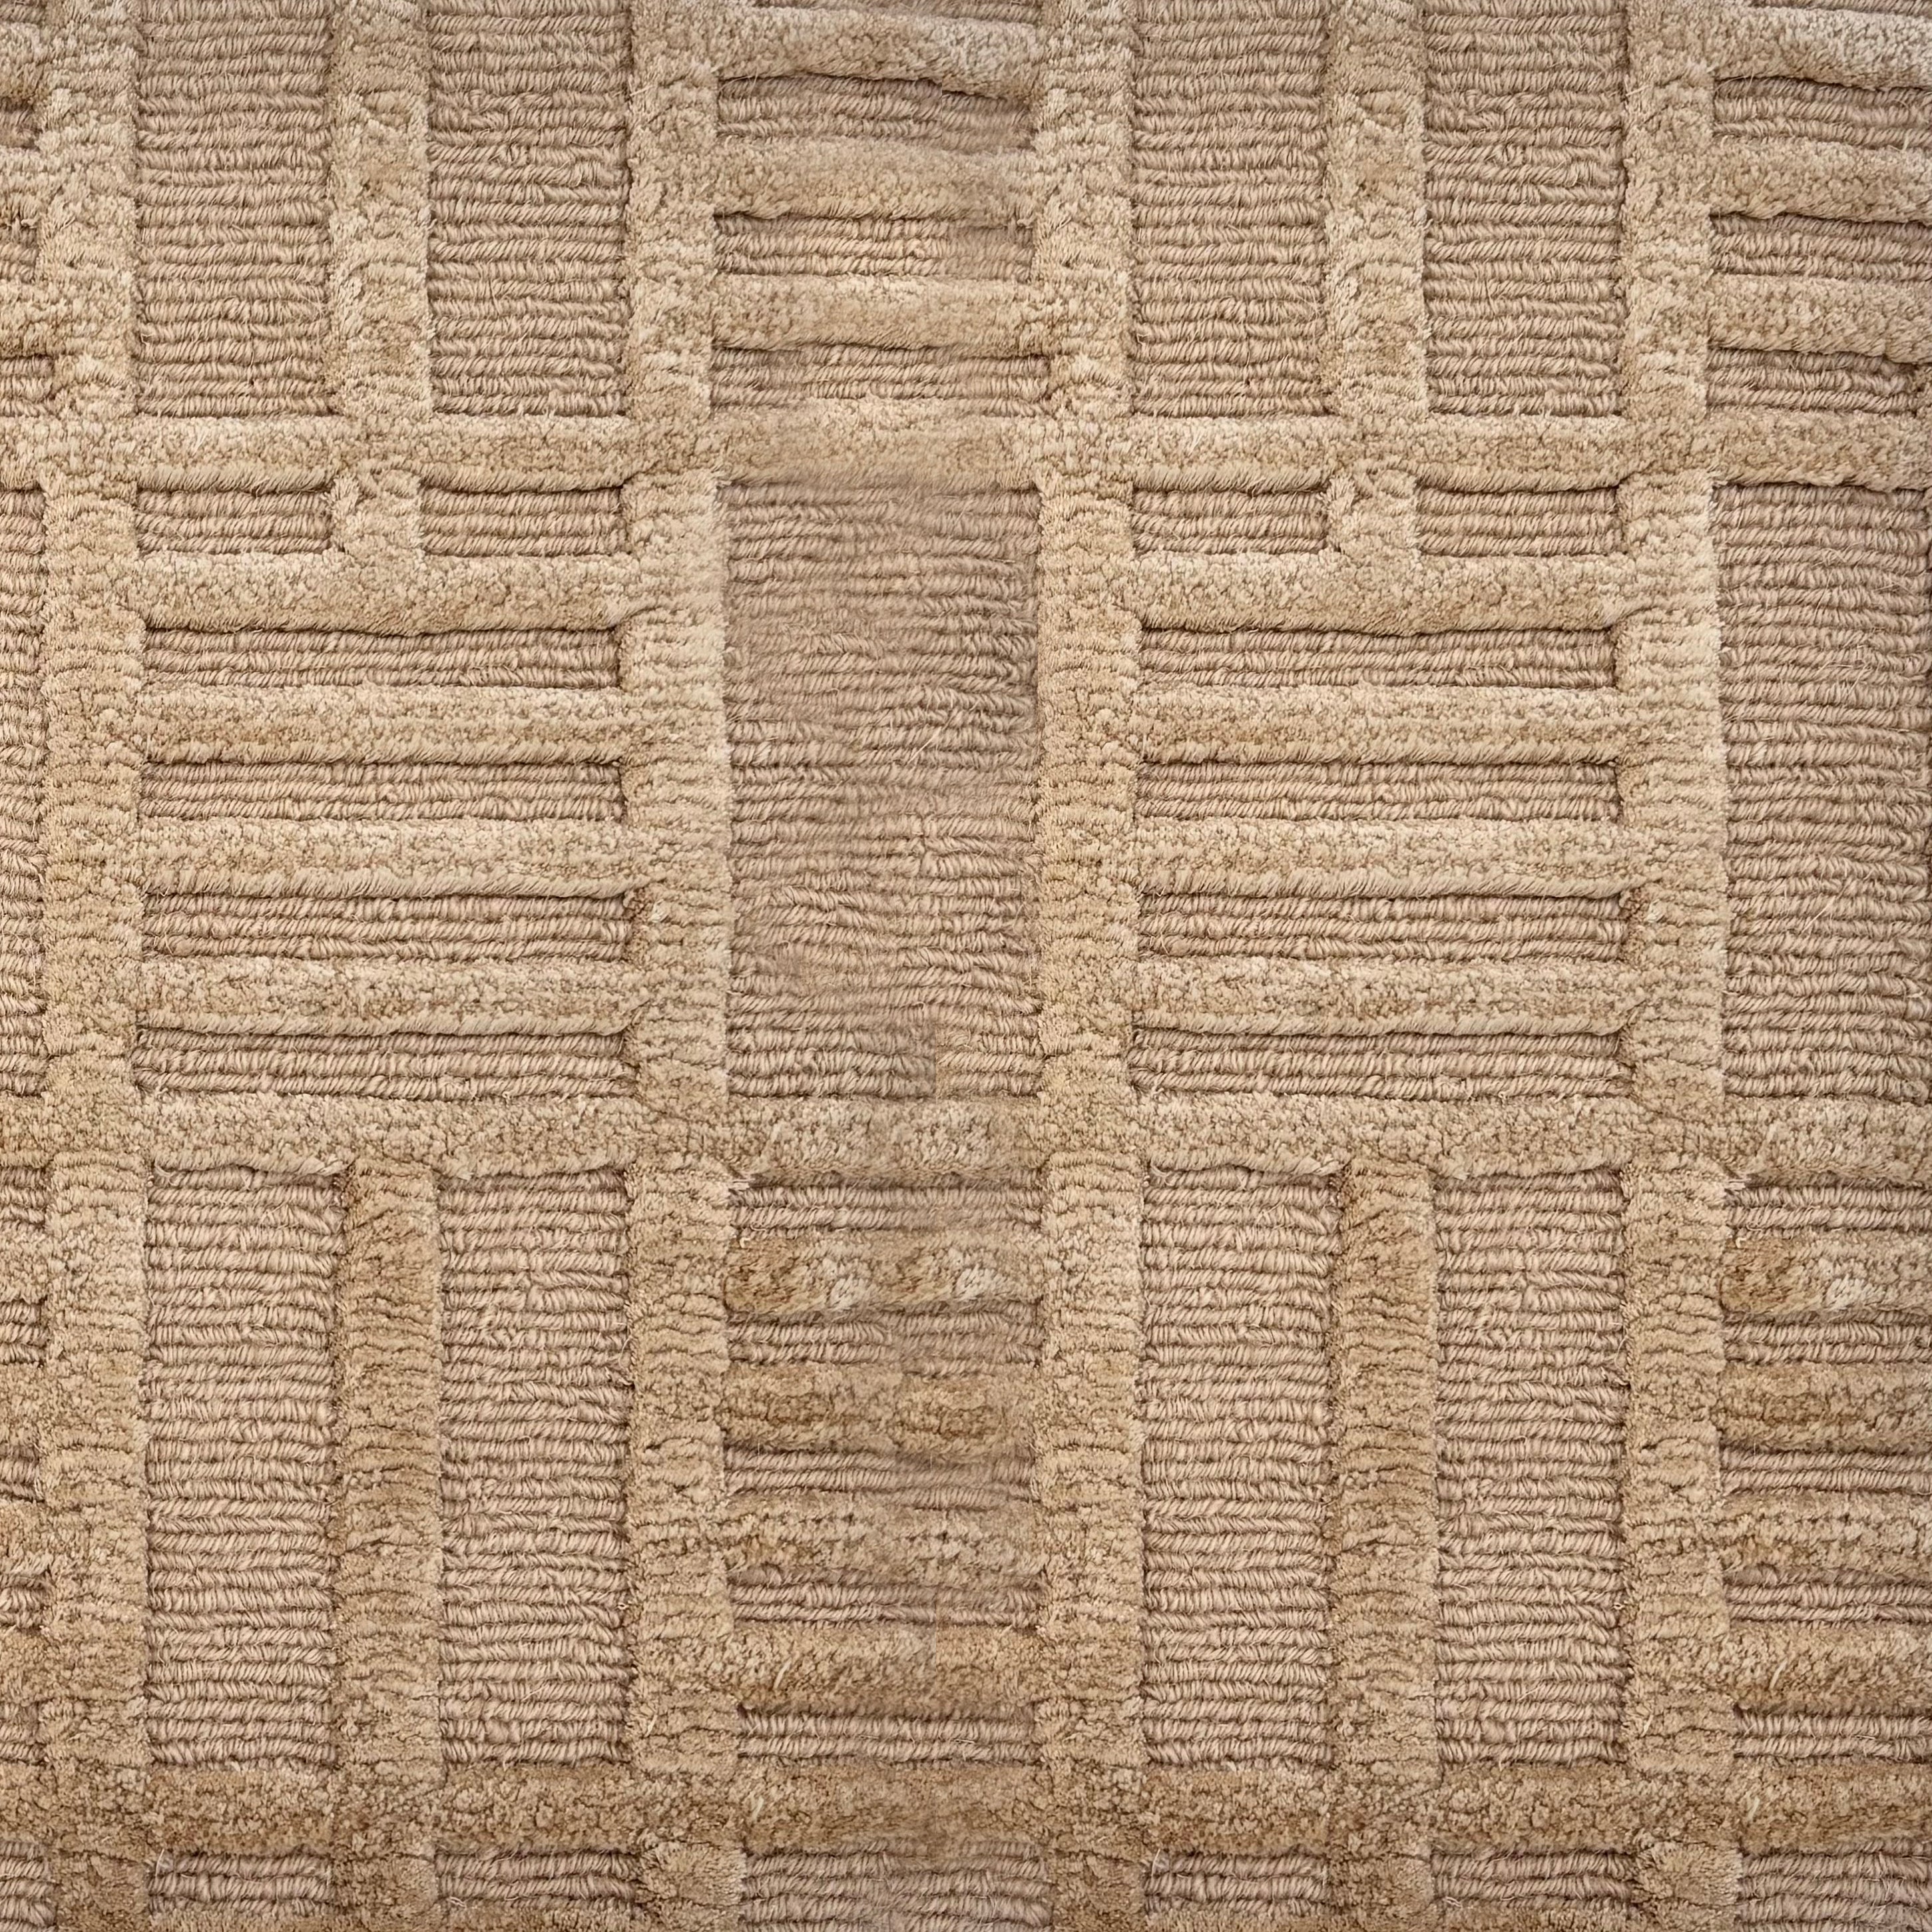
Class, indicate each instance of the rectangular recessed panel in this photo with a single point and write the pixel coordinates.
(465, 926)
(879, 693)
(1535, 1881)
(864, 1536)
(527, 185)
(375, 789)
(1529, 1431)
(1017, 12)
(1826, 1276)
(276, 1885)
(827, 1524)
(1517, 522)
(1165, 1060)
(1894, 253)
(225, 521)
(939, 1339)
(1219, 923)
(1217, 1886)
(885, 1738)
(240, 1272)
(1783, 107)
(1523, 151)
(861, 1313)
(794, 107)
(232, 254)
(1228, 212)
(1407, 791)
(927, 246)
(560, 660)
(1539, 659)
(1813, 378)
(23, 1600)
(23, 1220)
(1883, 1889)
(20, 1739)
(950, 1263)
(26, 382)
(1824, 1737)
(26, 1887)
(535, 1401)
(1233, 1399)
(843, 372)
(22, 757)
(522, 523)
(1763, 1210)
(1826, 606)
(967, 1889)
(399, 1066)
(1229, 523)
(575, 1881)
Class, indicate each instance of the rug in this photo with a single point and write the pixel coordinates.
(966, 967)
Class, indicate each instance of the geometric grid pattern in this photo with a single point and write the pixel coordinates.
(965, 964)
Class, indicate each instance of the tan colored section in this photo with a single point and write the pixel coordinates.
(1515, 658)
(1825, 1503)
(22, 752)
(793, 1891)
(292, 1884)
(1228, 208)
(1235, 1399)
(821, 245)
(232, 194)
(218, 521)
(471, 925)
(534, 1394)
(1523, 146)
(1217, 924)
(1530, 1401)
(241, 1268)
(26, 1887)
(545, 659)
(753, 686)
(1517, 522)
(527, 186)
(867, 108)
(878, 1523)
(1473, 1882)
(1229, 523)
(1403, 793)
(521, 523)
(1828, 705)
(540, 1881)
(1285, 1884)
(1392, 1066)
(396, 1065)
(843, 372)
(1822, 1892)
(880, 696)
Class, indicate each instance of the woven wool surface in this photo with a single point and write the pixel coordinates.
(965, 965)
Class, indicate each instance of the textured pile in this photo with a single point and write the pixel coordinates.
(966, 965)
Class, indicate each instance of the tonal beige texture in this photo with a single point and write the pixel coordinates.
(966, 965)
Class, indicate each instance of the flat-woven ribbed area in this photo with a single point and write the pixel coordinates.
(966, 965)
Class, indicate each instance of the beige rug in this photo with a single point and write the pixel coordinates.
(965, 968)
